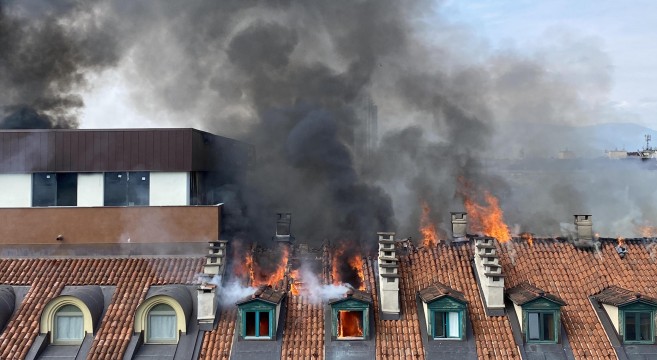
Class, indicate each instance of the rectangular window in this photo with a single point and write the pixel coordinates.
(541, 326)
(638, 326)
(447, 325)
(127, 188)
(54, 189)
(350, 324)
(257, 324)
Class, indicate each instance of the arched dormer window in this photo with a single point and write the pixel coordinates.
(68, 325)
(67, 319)
(161, 324)
(161, 318)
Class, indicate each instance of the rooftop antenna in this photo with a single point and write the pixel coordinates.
(648, 138)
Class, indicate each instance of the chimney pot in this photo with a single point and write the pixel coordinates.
(459, 225)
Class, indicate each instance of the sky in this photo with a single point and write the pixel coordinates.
(625, 30)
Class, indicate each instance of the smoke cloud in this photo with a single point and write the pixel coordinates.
(292, 78)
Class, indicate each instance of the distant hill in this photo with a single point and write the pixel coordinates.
(517, 140)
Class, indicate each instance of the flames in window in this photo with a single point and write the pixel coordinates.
(350, 324)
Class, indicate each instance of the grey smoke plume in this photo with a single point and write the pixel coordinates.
(46, 51)
(290, 76)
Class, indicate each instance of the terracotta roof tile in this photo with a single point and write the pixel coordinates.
(618, 296)
(525, 292)
(303, 336)
(574, 275)
(217, 343)
(47, 278)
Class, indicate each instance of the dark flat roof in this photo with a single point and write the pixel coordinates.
(101, 150)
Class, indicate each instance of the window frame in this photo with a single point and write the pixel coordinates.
(445, 324)
(350, 304)
(147, 328)
(637, 313)
(257, 335)
(541, 326)
(58, 314)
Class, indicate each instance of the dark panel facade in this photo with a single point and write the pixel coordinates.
(26, 151)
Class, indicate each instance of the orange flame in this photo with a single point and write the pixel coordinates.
(427, 228)
(355, 263)
(258, 278)
(529, 237)
(487, 218)
(296, 284)
(621, 241)
(350, 323)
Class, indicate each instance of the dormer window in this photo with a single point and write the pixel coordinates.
(259, 314)
(445, 312)
(68, 326)
(631, 314)
(162, 325)
(539, 313)
(350, 316)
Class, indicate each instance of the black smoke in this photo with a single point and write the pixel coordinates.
(290, 77)
(46, 52)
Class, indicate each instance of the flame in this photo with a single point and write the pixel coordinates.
(621, 241)
(427, 228)
(529, 237)
(355, 263)
(349, 323)
(258, 278)
(296, 284)
(487, 218)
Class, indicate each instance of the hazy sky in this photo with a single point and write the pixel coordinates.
(626, 32)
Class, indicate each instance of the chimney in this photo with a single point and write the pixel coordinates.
(459, 226)
(388, 275)
(283, 227)
(489, 274)
(214, 261)
(213, 270)
(584, 229)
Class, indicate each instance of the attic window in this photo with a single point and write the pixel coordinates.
(387, 253)
(162, 325)
(68, 328)
(541, 326)
(257, 324)
(350, 324)
(488, 251)
(638, 327)
(446, 324)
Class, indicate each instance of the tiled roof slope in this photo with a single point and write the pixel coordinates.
(449, 265)
(574, 275)
(218, 342)
(47, 277)
(303, 336)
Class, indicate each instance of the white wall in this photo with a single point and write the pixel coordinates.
(169, 188)
(90, 189)
(612, 312)
(16, 190)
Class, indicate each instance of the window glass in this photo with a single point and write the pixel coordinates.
(638, 326)
(533, 326)
(162, 324)
(127, 188)
(54, 189)
(447, 324)
(69, 324)
(548, 326)
(250, 319)
(263, 324)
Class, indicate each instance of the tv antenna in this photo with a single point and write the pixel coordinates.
(648, 138)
